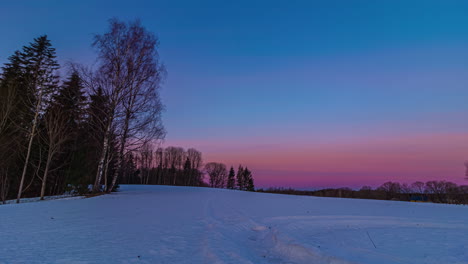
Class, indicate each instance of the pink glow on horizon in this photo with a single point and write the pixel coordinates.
(347, 162)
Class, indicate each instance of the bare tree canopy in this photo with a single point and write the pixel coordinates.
(130, 73)
(217, 173)
(57, 133)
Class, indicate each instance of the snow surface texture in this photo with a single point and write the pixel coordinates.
(38, 199)
(162, 224)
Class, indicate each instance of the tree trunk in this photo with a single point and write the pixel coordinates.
(120, 155)
(97, 182)
(102, 159)
(148, 174)
(31, 137)
(44, 178)
(4, 185)
(106, 170)
(118, 168)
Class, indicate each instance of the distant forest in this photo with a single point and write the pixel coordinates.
(431, 191)
(98, 127)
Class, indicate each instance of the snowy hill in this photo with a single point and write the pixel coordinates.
(162, 224)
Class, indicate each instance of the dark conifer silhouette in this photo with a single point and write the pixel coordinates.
(248, 180)
(240, 178)
(231, 183)
(39, 69)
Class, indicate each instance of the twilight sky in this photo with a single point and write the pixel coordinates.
(305, 93)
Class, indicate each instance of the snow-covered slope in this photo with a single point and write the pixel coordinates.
(162, 224)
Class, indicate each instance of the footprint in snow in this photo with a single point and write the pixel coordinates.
(259, 228)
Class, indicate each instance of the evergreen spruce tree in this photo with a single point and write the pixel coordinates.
(187, 171)
(89, 136)
(240, 178)
(231, 179)
(71, 100)
(14, 112)
(248, 180)
(40, 67)
(12, 122)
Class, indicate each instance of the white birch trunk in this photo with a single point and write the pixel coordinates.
(102, 159)
(28, 153)
(120, 155)
(44, 178)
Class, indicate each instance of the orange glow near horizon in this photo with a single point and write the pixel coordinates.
(350, 163)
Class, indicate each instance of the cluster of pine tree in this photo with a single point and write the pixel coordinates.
(243, 179)
(51, 134)
(60, 135)
(40, 122)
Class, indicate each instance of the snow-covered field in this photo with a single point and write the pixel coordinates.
(37, 199)
(162, 224)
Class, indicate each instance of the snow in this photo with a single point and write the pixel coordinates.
(164, 224)
(38, 199)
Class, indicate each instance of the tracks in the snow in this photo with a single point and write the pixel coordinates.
(231, 236)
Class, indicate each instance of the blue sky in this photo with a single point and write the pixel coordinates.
(251, 75)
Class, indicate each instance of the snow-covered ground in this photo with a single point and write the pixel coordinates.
(162, 224)
(38, 199)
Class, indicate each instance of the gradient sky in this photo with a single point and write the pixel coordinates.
(306, 93)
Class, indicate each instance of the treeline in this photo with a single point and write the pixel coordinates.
(220, 178)
(166, 166)
(57, 135)
(177, 166)
(431, 191)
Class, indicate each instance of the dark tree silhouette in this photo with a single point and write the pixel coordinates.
(217, 174)
(231, 182)
(240, 178)
(130, 74)
(40, 69)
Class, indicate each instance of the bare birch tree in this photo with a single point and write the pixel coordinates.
(130, 73)
(217, 173)
(174, 158)
(57, 134)
(195, 158)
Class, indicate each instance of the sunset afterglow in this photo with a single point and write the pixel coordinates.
(305, 94)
